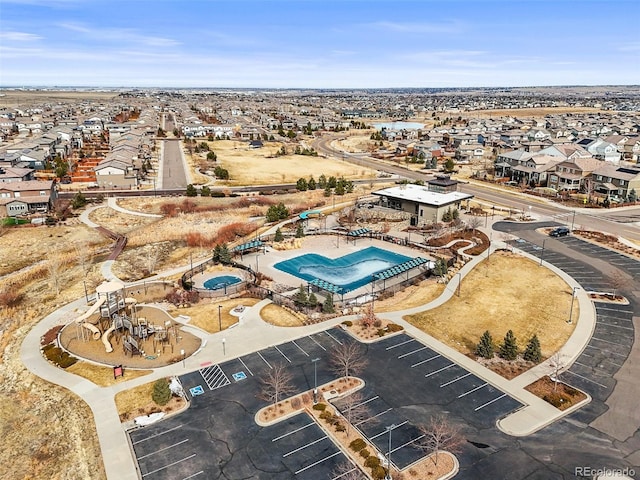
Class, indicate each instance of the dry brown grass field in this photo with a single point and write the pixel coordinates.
(260, 166)
(411, 297)
(204, 315)
(276, 315)
(16, 98)
(511, 293)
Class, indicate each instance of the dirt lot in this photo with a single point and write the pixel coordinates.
(21, 98)
(249, 166)
(535, 301)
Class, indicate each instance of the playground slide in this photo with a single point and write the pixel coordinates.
(105, 338)
(81, 319)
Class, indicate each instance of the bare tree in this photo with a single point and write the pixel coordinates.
(54, 267)
(152, 259)
(354, 410)
(557, 362)
(82, 255)
(276, 383)
(440, 435)
(347, 471)
(347, 358)
(617, 281)
(474, 223)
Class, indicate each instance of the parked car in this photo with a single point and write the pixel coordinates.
(559, 232)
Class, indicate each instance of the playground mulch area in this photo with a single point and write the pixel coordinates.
(157, 354)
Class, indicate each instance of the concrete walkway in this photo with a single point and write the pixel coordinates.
(252, 334)
(112, 202)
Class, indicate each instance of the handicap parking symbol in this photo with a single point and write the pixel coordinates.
(196, 390)
(239, 376)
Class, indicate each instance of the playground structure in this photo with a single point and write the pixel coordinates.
(113, 317)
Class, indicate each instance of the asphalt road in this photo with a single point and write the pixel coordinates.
(173, 174)
(622, 223)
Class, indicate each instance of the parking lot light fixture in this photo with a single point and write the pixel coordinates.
(315, 380)
(219, 318)
(573, 295)
(388, 475)
(542, 253)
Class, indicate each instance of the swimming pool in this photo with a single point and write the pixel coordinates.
(349, 272)
(223, 281)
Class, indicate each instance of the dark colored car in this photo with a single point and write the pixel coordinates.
(559, 232)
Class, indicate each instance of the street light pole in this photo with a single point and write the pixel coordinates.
(542, 253)
(459, 282)
(388, 476)
(573, 295)
(219, 318)
(315, 380)
(224, 346)
(573, 220)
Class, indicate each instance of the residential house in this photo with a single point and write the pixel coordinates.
(616, 182)
(15, 174)
(574, 175)
(27, 197)
(601, 149)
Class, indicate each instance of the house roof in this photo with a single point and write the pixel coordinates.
(27, 185)
(421, 194)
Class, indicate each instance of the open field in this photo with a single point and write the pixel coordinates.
(249, 166)
(17, 98)
(535, 301)
(525, 112)
(276, 315)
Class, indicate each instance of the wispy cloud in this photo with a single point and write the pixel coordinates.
(19, 36)
(630, 47)
(119, 35)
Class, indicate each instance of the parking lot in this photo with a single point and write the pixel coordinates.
(218, 433)
(613, 336)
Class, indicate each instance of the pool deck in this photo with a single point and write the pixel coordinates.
(326, 245)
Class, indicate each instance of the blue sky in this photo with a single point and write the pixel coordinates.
(319, 44)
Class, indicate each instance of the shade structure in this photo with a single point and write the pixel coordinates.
(400, 268)
(359, 232)
(248, 246)
(326, 286)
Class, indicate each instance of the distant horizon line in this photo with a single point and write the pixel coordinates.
(124, 87)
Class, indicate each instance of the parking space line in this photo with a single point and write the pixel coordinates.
(170, 465)
(163, 449)
(606, 341)
(287, 358)
(607, 351)
(156, 435)
(455, 379)
(385, 431)
(425, 361)
(367, 401)
(613, 325)
(304, 446)
(334, 338)
(472, 390)
(245, 366)
(293, 431)
(264, 360)
(345, 473)
(408, 443)
(314, 341)
(489, 402)
(374, 416)
(299, 347)
(587, 379)
(411, 353)
(440, 370)
(194, 475)
(318, 462)
(400, 344)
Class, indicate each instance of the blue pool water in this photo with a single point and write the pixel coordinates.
(348, 272)
(216, 283)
